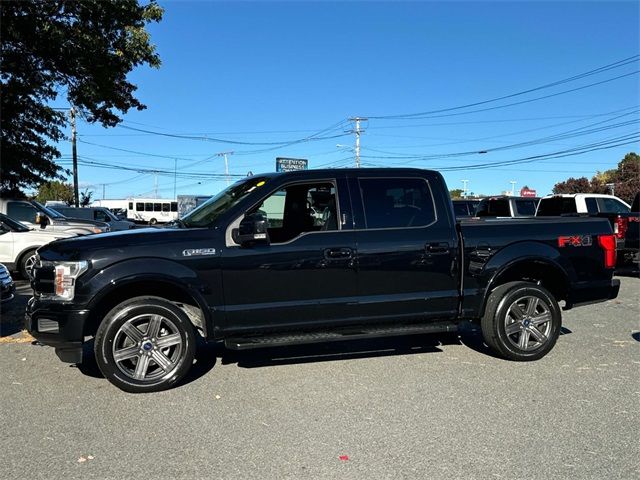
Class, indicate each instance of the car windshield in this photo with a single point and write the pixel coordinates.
(49, 211)
(207, 213)
(13, 224)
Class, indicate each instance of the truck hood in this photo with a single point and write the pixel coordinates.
(78, 222)
(46, 236)
(124, 243)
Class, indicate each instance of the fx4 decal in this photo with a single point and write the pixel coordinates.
(575, 241)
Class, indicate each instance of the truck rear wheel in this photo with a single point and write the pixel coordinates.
(522, 321)
(145, 344)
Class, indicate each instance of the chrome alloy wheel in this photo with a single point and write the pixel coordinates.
(147, 347)
(528, 323)
(29, 264)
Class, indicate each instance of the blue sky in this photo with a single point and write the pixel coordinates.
(275, 72)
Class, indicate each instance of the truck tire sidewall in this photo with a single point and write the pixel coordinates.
(153, 221)
(500, 340)
(117, 317)
(22, 265)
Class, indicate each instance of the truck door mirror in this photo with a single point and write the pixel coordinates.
(41, 220)
(252, 230)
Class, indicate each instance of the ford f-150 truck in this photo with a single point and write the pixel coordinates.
(314, 256)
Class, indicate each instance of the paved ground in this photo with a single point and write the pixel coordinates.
(418, 407)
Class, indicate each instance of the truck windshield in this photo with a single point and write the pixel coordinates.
(207, 213)
(13, 224)
(51, 213)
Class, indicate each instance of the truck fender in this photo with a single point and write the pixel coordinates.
(142, 271)
(511, 256)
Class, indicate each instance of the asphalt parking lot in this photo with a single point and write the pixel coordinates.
(438, 406)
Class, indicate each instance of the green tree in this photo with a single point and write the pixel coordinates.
(85, 198)
(79, 50)
(456, 193)
(55, 191)
(573, 185)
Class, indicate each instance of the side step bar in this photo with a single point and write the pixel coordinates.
(353, 333)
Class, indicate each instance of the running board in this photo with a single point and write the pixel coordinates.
(353, 333)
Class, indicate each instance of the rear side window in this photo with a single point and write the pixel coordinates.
(174, 206)
(21, 211)
(526, 207)
(166, 207)
(397, 202)
(494, 208)
(554, 206)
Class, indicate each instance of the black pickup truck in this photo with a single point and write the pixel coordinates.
(314, 256)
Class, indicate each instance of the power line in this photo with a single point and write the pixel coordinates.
(431, 113)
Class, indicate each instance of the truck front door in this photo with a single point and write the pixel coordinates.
(306, 273)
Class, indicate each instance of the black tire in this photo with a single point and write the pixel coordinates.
(139, 368)
(23, 264)
(153, 221)
(541, 326)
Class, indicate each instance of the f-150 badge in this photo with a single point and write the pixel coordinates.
(194, 252)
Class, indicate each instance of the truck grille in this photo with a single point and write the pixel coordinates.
(43, 279)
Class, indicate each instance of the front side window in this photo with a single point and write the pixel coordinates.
(101, 216)
(611, 205)
(174, 206)
(397, 202)
(592, 205)
(299, 208)
(139, 207)
(130, 205)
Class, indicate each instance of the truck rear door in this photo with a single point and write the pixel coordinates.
(406, 246)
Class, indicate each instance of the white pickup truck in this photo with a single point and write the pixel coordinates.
(18, 244)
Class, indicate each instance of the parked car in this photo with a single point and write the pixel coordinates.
(464, 208)
(506, 206)
(34, 214)
(623, 218)
(100, 214)
(7, 287)
(386, 257)
(18, 244)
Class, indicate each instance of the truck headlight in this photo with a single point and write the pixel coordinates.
(100, 229)
(64, 280)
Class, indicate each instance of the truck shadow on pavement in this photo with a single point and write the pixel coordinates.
(208, 354)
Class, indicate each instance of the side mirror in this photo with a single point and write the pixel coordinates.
(41, 220)
(252, 230)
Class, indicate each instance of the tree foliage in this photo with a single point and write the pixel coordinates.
(456, 193)
(625, 180)
(81, 51)
(55, 191)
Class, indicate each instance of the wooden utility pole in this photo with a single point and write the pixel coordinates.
(74, 153)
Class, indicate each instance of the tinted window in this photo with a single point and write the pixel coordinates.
(166, 207)
(611, 205)
(592, 205)
(130, 205)
(396, 202)
(101, 216)
(497, 207)
(461, 209)
(21, 211)
(174, 206)
(139, 207)
(157, 207)
(148, 207)
(526, 207)
(553, 206)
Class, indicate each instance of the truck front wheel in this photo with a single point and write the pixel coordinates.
(145, 344)
(522, 321)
